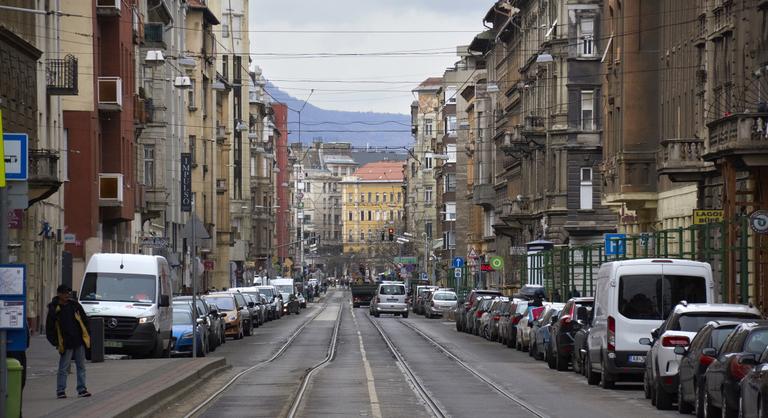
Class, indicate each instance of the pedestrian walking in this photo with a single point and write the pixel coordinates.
(66, 328)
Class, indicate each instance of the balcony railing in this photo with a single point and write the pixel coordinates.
(681, 159)
(515, 209)
(61, 76)
(43, 166)
(484, 195)
(154, 33)
(743, 134)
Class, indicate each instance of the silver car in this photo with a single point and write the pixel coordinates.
(390, 298)
(439, 302)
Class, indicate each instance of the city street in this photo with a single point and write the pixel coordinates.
(365, 379)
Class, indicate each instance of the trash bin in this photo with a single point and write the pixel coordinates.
(96, 331)
(13, 401)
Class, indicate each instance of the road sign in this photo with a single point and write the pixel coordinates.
(701, 217)
(457, 273)
(615, 244)
(424, 276)
(154, 242)
(406, 260)
(16, 148)
(497, 263)
(758, 221)
(472, 253)
(458, 262)
(300, 195)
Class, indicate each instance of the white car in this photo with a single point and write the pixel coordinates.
(439, 302)
(661, 373)
(391, 297)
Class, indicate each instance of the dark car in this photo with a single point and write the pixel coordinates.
(516, 314)
(580, 336)
(734, 361)
(213, 324)
(754, 390)
(541, 331)
(463, 308)
(476, 313)
(573, 317)
(694, 363)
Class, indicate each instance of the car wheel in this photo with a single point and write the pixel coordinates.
(562, 363)
(709, 410)
(683, 407)
(551, 360)
(376, 314)
(531, 347)
(663, 399)
(698, 404)
(248, 330)
(592, 377)
(646, 385)
(405, 315)
(575, 362)
(606, 380)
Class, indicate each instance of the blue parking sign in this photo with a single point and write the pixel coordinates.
(615, 244)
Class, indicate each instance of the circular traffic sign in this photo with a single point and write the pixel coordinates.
(497, 263)
(758, 221)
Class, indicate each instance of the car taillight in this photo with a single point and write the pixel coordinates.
(378, 300)
(479, 314)
(675, 340)
(516, 319)
(496, 317)
(706, 360)
(611, 334)
(739, 370)
(565, 320)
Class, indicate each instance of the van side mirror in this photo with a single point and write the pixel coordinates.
(165, 301)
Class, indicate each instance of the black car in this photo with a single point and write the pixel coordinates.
(694, 363)
(462, 311)
(572, 318)
(736, 359)
(541, 333)
(212, 323)
(754, 390)
(580, 336)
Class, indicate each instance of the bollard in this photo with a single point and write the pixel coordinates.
(96, 330)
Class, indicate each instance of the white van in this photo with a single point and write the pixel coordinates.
(133, 294)
(285, 288)
(632, 298)
(391, 297)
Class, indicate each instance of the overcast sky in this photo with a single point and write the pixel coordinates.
(421, 54)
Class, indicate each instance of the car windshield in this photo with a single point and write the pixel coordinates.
(757, 341)
(226, 303)
(695, 322)
(720, 334)
(392, 289)
(444, 296)
(118, 287)
(284, 288)
(653, 296)
(182, 317)
(267, 293)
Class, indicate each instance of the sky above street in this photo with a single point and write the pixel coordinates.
(297, 45)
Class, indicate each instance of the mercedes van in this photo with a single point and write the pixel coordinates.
(133, 294)
(632, 298)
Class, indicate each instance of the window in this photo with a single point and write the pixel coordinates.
(428, 229)
(428, 194)
(336, 219)
(653, 296)
(413, 169)
(224, 30)
(451, 151)
(370, 215)
(362, 197)
(349, 197)
(362, 215)
(586, 41)
(449, 240)
(377, 197)
(370, 199)
(362, 236)
(585, 188)
(428, 161)
(378, 215)
(450, 94)
(399, 196)
(237, 27)
(308, 187)
(307, 219)
(384, 197)
(149, 165)
(392, 197)
(191, 103)
(193, 149)
(450, 125)
(350, 216)
(449, 183)
(587, 110)
(450, 211)
(428, 127)
(391, 215)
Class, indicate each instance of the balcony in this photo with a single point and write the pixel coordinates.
(517, 145)
(221, 186)
(156, 201)
(515, 209)
(110, 92)
(534, 125)
(110, 189)
(484, 195)
(43, 174)
(743, 135)
(154, 35)
(61, 76)
(680, 159)
(108, 7)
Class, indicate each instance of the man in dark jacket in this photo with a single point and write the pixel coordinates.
(66, 329)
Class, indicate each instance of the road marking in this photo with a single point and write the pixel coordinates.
(375, 407)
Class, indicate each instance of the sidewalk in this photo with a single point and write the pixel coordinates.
(119, 387)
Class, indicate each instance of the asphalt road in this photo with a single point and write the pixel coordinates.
(365, 379)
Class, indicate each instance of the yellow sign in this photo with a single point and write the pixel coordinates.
(2, 153)
(706, 216)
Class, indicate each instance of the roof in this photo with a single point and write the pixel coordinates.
(430, 84)
(338, 159)
(381, 171)
(715, 308)
(207, 13)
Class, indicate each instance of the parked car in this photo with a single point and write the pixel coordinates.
(754, 390)
(503, 324)
(476, 314)
(233, 321)
(245, 310)
(215, 311)
(633, 297)
(302, 300)
(580, 336)
(502, 313)
(203, 326)
(694, 361)
(541, 330)
(214, 323)
(418, 298)
(661, 378)
(254, 309)
(463, 308)
(521, 308)
(269, 292)
(573, 317)
(524, 326)
(440, 301)
(390, 298)
(490, 317)
(734, 361)
(182, 333)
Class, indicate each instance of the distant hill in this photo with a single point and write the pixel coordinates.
(380, 129)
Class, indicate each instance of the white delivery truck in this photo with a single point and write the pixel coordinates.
(133, 294)
(285, 288)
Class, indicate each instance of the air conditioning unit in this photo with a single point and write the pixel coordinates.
(108, 7)
(110, 189)
(110, 93)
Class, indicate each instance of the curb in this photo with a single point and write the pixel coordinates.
(145, 394)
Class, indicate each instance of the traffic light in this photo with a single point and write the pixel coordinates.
(391, 234)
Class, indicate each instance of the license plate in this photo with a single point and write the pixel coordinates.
(113, 344)
(392, 300)
(637, 359)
